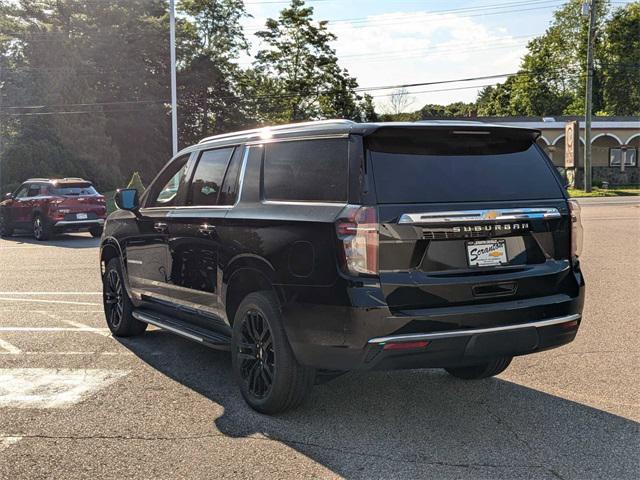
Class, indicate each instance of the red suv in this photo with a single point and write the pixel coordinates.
(49, 206)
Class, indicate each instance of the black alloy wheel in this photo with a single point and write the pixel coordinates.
(256, 354)
(118, 308)
(114, 299)
(265, 368)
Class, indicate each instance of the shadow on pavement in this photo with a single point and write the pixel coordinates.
(419, 423)
(69, 240)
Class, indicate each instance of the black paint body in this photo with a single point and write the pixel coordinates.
(196, 267)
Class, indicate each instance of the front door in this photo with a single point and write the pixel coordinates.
(21, 207)
(194, 237)
(148, 258)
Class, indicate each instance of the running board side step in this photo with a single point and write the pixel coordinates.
(211, 339)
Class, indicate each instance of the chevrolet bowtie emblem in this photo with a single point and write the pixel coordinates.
(491, 215)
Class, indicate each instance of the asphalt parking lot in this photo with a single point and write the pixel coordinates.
(77, 403)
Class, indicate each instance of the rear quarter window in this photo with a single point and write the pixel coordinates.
(309, 170)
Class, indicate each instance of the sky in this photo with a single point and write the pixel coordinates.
(391, 42)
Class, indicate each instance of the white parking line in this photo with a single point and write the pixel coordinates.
(69, 353)
(51, 388)
(53, 329)
(50, 293)
(7, 440)
(8, 348)
(33, 300)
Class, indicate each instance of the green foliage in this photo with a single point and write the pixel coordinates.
(136, 182)
(303, 75)
(456, 109)
(620, 62)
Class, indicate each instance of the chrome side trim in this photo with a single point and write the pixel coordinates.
(498, 215)
(470, 332)
(305, 203)
(152, 321)
(96, 221)
(262, 141)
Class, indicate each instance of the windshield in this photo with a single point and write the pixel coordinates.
(445, 167)
(76, 190)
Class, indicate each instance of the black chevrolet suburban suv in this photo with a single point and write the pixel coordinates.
(312, 249)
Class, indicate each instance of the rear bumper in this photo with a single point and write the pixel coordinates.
(354, 337)
(79, 224)
(459, 348)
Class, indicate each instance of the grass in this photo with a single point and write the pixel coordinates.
(609, 192)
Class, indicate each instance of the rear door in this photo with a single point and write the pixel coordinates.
(467, 216)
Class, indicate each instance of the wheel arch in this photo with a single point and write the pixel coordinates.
(246, 274)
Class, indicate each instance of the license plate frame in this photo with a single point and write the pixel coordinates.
(82, 216)
(493, 253)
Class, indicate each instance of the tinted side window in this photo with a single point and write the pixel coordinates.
(310, 170)
(34, 190)
(165, 190)
(230, 186)
(208, 177)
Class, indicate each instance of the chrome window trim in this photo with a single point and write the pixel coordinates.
(180, 208)
(488, 215)
(470, 332)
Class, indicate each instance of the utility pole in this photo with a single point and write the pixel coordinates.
(589, 94)
(174, 94)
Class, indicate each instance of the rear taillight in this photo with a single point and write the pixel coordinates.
(576, 228)
(357, 230)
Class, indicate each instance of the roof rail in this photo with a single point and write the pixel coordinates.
(37, 179)
(276, 128)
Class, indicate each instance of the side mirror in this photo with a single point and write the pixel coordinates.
(127, 199)
(8, 196)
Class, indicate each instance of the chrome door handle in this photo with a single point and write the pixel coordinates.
(206, 228)
(160, 227)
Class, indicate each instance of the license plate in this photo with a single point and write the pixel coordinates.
(487, 253)
(81, 216)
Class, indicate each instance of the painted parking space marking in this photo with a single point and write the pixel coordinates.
(7, 440)
(52, 388)
(54, 329)
(8, 348)
(50, 293)
(37, 300)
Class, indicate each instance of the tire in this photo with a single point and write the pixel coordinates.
(5, 229)
(96, 232)
(118, 308)
(270, 378)
(41, 228)
(483, 370)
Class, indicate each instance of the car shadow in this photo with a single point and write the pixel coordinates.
(63, 240)
(414, 424)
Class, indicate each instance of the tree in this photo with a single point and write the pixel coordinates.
(621, 61)
(400, 100)
(303, 70)
(209, 79)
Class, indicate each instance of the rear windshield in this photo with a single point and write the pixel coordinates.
(450, 166)
(81, 189)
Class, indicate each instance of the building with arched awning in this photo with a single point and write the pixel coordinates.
(615, 144)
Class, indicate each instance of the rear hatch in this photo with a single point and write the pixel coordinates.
(468, 215)
(78, 201)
